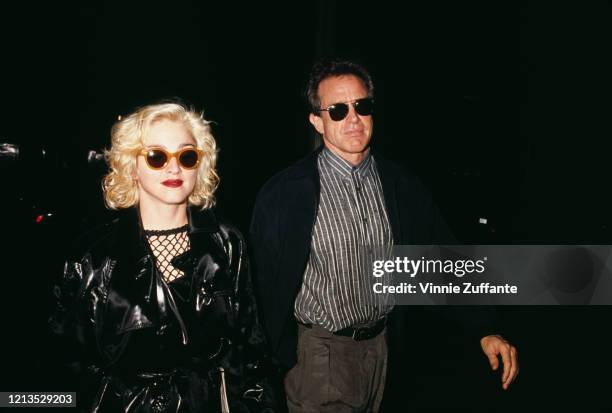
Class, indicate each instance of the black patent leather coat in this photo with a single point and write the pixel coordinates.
(145, 345)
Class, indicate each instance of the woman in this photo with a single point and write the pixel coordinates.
(160, 300)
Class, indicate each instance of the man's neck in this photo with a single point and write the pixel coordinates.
(352, 158)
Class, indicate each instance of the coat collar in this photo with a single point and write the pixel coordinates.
(130, 245)
(130, 226)
(128, 242)
(307, 166)
(202, 220)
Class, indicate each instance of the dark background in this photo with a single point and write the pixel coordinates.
(501, 109)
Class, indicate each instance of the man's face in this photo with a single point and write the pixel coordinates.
(349, 137)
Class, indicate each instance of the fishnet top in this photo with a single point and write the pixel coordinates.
(167, 244)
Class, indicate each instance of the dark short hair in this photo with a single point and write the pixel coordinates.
(332, 68)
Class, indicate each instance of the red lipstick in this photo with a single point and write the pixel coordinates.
(173, 183)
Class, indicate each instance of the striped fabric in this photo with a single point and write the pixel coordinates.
(351, 215)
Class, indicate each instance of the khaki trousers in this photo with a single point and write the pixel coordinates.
(336, 373)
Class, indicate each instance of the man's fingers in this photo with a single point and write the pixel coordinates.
(507, 360)
(493, 361)
(514, 369)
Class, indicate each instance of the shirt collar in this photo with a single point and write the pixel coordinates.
(344, 168)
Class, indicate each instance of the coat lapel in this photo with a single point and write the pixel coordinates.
(133, 288)
(389, 186)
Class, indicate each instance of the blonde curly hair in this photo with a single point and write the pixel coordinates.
(127, 140)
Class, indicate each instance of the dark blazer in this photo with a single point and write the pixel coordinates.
(281, 235)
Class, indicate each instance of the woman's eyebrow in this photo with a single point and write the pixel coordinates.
(182, 145)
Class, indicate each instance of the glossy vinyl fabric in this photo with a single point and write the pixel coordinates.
(145, 345)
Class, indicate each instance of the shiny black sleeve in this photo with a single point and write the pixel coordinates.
(253, 377)
(65, 333)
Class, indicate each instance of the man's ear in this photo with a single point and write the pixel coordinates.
(317, 122)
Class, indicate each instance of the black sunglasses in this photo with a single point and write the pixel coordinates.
(158, 158)
(338, 111)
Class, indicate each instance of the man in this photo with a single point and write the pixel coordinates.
(308, 224)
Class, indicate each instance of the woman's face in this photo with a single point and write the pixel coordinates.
(172, 184)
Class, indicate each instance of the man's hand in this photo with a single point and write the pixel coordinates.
(494, 346)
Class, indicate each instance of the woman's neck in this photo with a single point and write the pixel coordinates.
(158, 217)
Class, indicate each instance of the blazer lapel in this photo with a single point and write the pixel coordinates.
(389, 185)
